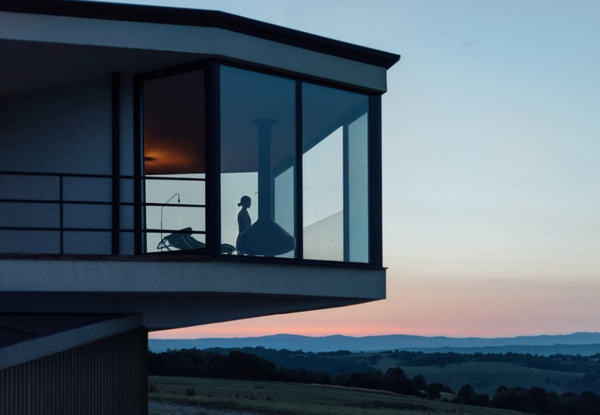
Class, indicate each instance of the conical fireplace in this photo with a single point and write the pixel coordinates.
(265, 237)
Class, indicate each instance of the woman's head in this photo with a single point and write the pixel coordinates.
(245, 201)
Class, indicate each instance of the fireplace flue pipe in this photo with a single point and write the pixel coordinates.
(265, 237)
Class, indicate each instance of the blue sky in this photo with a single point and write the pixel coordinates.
(491, 164)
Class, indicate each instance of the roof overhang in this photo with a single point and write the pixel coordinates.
(44, 40)
(202, 18)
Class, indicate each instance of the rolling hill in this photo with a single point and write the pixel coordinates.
(576, 343)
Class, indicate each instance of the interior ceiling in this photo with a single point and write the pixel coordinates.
(246, 97)
(32, 66)
(174, 139)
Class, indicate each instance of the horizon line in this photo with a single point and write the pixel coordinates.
(378, 335)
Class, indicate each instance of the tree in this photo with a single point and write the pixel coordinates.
(419, 382)
(433, 391)
(466, 395)
(326, 380)
(501, 389)
(589, 403)
(242, 365)
(400, 383)
(541, 399)
(516, 399)
(368, 380)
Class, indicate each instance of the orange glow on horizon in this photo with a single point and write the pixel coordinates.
(228, 332)
(459, 307)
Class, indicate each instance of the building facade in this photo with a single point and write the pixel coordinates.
(163, 168)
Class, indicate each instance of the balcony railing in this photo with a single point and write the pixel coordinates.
(39, 210)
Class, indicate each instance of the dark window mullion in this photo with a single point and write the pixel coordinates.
(375, 182)
(137, 164)
(298, 175)
(213, 161)
(346, 195)
(116, 163)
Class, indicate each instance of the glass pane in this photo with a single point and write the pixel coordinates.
(174, 162)
(323, 187)
(335, 174)
(258, 156)
(358, 190)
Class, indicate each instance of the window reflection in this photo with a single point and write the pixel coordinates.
(335, 174)
(258, 139)
(174, 148)
(323, 187)
(258, 161)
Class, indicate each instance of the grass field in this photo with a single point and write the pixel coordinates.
(485, 377)
(270, 398)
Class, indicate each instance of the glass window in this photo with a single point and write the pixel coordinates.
(258, 163)
(174, 162)
(335, 174)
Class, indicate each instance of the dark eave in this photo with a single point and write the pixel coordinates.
(205, 18)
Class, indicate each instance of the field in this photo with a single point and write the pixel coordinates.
(270, 398)
(485, 377)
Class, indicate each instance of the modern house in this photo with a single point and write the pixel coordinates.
(164, 168)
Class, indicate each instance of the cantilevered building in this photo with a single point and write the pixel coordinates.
(164, 168)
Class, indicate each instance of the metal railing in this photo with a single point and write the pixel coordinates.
(137, 229)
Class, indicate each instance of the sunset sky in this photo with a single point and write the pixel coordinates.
(491, 165)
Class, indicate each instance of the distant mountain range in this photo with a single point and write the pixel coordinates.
(576, 343)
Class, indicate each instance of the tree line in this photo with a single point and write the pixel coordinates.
(344, 361)
(237, 364)
(247, 366)
(535, 400)
(558, 362)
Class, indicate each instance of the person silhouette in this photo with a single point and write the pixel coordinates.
(243, 217)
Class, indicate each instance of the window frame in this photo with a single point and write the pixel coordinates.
(211, 68)
(138, 165)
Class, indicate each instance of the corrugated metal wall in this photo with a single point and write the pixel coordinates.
(105, 377)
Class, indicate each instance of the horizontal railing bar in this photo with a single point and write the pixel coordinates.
(82, 202)
(171, 205)
(23, 228)
(97, 176)
(60, 202)
(189, 179)
(169, 230)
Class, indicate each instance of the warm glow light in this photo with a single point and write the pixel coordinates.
(171, 160)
